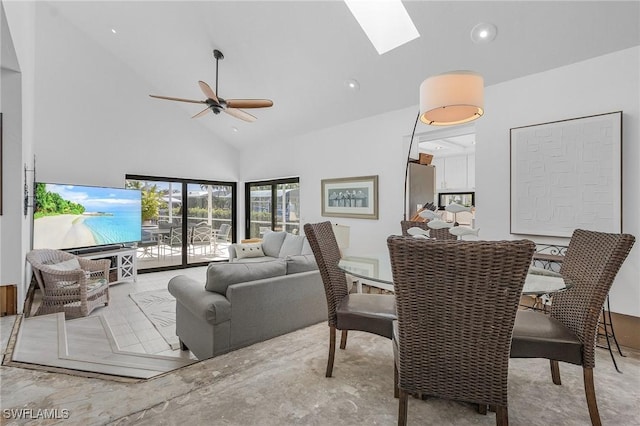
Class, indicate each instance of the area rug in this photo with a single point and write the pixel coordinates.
(160, 307)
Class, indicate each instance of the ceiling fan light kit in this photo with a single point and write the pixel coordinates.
(217, 104)
(451, 98)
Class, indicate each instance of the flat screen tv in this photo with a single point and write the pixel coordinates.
(74, 216)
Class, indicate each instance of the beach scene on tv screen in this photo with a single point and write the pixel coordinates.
(71, 216)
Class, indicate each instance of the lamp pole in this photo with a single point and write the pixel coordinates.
(406, 169)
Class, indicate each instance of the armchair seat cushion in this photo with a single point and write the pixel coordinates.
(373, 313)
(536, 335)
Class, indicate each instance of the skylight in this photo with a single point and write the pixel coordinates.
(385, 22)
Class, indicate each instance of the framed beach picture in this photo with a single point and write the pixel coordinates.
(355, 197)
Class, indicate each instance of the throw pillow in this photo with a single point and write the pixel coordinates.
(306, 247)
(292, 245)
(249, 250)
(67, 265)
(222, 275)
(272, 242)
(301, 263)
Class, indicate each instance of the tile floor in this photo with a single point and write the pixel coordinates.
(131, 328)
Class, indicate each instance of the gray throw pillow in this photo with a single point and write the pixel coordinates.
(306, 247)
(301, 263)
(222, 275)
(272, 242)
(292, 245)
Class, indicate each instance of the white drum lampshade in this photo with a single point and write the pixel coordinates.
(454, 97)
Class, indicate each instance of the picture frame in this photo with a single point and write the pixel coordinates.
(565, 175)
(354, 197)
(361, 267)
(467, 199)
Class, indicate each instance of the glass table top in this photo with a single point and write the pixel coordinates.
(378, 269)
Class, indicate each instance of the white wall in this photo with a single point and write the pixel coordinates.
(605, 84)
(372, 146)
(95, 121)
(375, 146)
(17, 106)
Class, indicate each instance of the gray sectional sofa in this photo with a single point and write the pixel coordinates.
(265, 290)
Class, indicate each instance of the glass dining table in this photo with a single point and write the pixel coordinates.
(376, 271)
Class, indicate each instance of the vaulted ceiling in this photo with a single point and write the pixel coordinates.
(299, 53)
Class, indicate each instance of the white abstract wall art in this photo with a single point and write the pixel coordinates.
(567, 175)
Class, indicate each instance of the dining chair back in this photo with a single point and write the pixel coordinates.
(372, 313)
(569, 332)
(405, 225)
(456, 304)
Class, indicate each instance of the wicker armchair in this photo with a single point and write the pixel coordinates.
(372, 313)
(76, 292)
(456, 303)
(569, 333)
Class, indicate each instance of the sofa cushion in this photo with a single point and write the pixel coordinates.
(253, 259)
(249, 250)
(292, 245)
(222, 275)
(306, 247)
(272, 242)
(301, 263)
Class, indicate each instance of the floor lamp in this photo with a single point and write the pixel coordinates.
(455, 97)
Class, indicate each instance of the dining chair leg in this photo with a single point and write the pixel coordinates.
(402, 408)
(396, 390)
(555, 372)
(502, 416)
(332, 350)
(343, 339)
(590, 392)
(482, 409)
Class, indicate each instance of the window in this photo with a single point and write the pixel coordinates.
(272, 205)
(174, 236)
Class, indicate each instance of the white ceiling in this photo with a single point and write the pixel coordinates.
(299, 53)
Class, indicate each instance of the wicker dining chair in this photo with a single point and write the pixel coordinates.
(372, 313)
(405, 225)
(456, 303)
(77, 291)
(569, 332)
(441, 234)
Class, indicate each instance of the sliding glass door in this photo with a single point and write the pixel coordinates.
(272, 205)
(184, 222)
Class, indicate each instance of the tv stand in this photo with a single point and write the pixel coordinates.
(123, 263)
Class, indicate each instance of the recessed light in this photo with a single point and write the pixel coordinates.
(352, 84)
(113, 30)
(235, 129)
(483, 33)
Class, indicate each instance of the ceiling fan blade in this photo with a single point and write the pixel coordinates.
(178, 99)
(249, 103)
(242, 115)
(201, 113)
(208, 91)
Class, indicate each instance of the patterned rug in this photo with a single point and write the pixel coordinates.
(160, 307)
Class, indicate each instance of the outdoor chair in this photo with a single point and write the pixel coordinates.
(569, 332)
(69, 284)
(201, 236)
(372, 313)
(456, 303)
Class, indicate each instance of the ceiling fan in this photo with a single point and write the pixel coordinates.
(216, 104)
